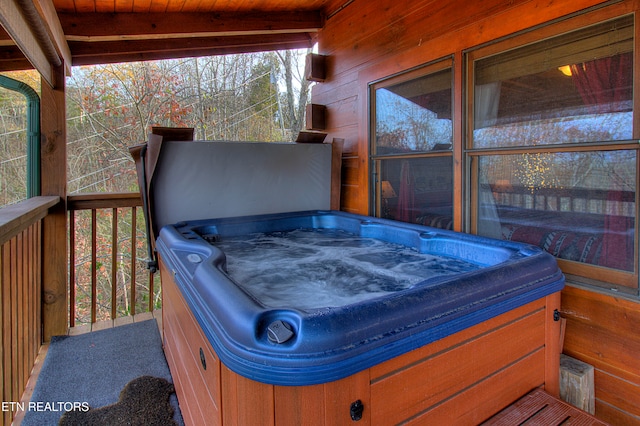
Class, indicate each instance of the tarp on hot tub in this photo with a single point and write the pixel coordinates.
(182, 179)
(214, 179)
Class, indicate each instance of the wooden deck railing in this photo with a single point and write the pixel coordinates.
(21, 253)
(575, 200)
(107, 258)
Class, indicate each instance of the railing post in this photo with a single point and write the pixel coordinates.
(54, 182)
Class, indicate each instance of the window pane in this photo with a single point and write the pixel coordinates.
(578, 206)
(574, 88)
(417, 190)
(414, 116)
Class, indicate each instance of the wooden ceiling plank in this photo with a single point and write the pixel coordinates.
(138, 6)
(105, 6)
(119, 25)
(176, 6)
(123, 6)
(18, 28)
(159, 6)
(65, 5)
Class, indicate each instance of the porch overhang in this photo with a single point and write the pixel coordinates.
(44, 34)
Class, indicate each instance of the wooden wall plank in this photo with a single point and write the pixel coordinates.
(20, 335)
(602, 331)
(13, 319)
(618, 393)
(392, 40)
(368, 41)
(5, 342)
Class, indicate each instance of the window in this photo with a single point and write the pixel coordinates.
(552, 149)
(411, 140)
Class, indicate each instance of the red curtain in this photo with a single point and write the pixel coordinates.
(603, 84)
(406, 197)
(617, 243)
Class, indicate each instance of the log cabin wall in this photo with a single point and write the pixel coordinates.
(367, 41)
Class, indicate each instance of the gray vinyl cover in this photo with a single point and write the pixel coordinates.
(207, 179)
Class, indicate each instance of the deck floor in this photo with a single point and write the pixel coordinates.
(74, 331)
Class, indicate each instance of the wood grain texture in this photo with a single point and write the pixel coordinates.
(54, 182)
(198, 389)
(20, 313)
(464, 378)
(602, 331)
(394, 38)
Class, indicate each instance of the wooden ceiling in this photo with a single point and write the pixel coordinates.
(86, 32)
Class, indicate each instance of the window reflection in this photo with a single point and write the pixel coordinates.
(411, 148)
(418, 190)
(570, 89)
(574, 201)
(578, 206)
(414, 116)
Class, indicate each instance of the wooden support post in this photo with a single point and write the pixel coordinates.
(577, 383)
(54, 182)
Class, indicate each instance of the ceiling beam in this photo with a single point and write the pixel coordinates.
(18, 28)
(52, 26)
(33, 27)
(144, 50)
(131, 26)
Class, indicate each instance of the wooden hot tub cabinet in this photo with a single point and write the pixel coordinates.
(464, 378)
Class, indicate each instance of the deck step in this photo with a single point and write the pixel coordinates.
(538, 408)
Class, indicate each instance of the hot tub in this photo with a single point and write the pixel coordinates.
(277, 310)
(293, 301)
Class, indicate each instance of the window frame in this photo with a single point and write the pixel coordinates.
(375, 159)
(581, 272)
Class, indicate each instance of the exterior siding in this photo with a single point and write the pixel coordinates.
(368, 41)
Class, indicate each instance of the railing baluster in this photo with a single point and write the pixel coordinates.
(20, 306)
(14, 320)
(114, 262)
(133, 258)
(72, 268)
(94, 262)
(151, 291)
(5, 340)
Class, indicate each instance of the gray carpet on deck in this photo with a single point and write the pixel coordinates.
(93, 368)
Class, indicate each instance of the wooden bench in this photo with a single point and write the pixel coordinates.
(540, 408)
